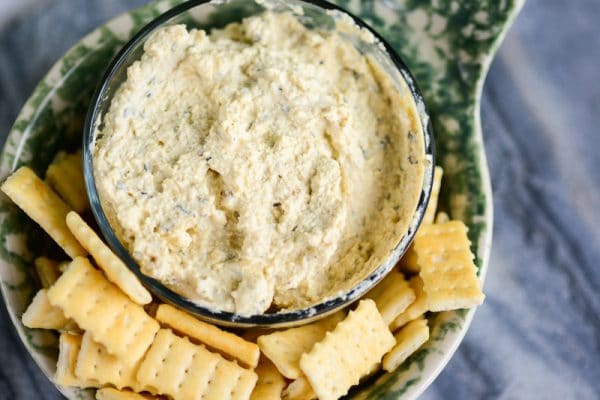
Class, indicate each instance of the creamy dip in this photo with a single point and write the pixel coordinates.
(265, 166)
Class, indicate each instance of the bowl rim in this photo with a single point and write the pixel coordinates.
(267, 320)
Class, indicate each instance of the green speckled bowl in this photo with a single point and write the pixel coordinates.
(447, 44)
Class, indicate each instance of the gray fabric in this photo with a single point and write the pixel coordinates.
(538, 334)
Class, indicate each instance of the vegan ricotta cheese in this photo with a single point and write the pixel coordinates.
(261, 167)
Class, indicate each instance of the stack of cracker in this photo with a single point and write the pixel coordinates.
(116, 338)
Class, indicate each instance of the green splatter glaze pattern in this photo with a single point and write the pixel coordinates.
(447, 44)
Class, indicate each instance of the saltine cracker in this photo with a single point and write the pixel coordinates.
(431, 209)
(41, 314)
(408, 263)
(392, 296)
(68, 349)
(178, 368)
(109, 393)
(113, 266)
(43, 206)
(98, 306)
(416, 309)
(47, 270)
(348, 352)
(447, 268)
(408, 340)
(284, 348)
(270, 382)
(441, 218)
(299, 389)
(94, 364)
(65, 175)
(215, 338)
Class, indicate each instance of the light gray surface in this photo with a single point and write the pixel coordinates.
(538, 334)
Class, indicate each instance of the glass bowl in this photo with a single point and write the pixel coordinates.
(204, 14)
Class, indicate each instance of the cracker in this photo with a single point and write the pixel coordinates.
(408, 262)
(447, 268)
(68, 349)
(348, 352)
(299, 389)
(392, 296)
(252, 334)
(178, 368)
(284, 348)
(43, 315)
(416, 309)
(217, 339)
(433, 199)
(98, 306)
(441, 218)
(47, 271)
(113, 267)
(375, 368)
(94, 364)
(44, 206)
(63, 265)
(408, 340)
(65, 175)
(230, 381)
(71, 327)
(270, 382)
(109, 393)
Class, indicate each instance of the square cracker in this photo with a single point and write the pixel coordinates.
(109, 393)
(43, 206)
(431, 209)
(47, 271)
(65, 175)
(68, 349)
(441, 218)
(417, 307)
(392, 296)
(270, 382)
(408, 339)
(63, 265)
(217, 339)
(98, 306)
(252, 334)
(408, 263)
(94, 364)
(348, 352)
(284, 348)
(113, 266)
(43, 315)
(299, 389)
(178, 368)
(447, 268)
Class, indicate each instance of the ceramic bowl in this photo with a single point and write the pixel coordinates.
(448, 45)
